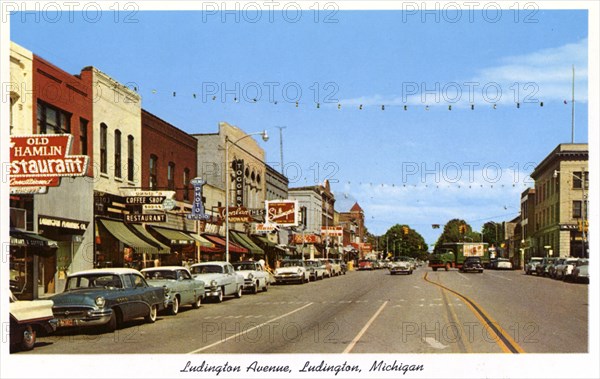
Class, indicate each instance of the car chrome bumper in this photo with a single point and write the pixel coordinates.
(287, 278)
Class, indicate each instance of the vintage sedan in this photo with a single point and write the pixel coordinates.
(365, 264)
(107, 297)
(564, 270)
(542, 268)
(27, 319)
(503, 264)
(317, 269)
(401, 266)
(291, 270)
(255, 276)
(472, 264)
(531, 266)
(220, 279)
(581, 271)
(181, 286)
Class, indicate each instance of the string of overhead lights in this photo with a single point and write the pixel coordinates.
(354, 106)
(437, 185)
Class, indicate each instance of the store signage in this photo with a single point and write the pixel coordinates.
(198, 206)
(282, 212)
(265, 228)
(238, 175)
(332, 231)
(143, 193)
(168, 204)
(145, 217)
(236, 214)
(74, 225)
(306, 238)
(41, 160)
(568, 227)
(137, 200)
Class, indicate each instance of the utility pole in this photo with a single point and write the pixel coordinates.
(281, 145)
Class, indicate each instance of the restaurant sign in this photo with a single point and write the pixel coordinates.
(282, 212)
(41, 160)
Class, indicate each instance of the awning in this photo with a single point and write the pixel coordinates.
(220, 241)
(175, 237)
(19, 238)
(163, 249)
(121, 232)
(266, 243)
(201, 240)
(245, 241)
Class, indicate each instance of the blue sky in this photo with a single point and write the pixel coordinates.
(416, 167)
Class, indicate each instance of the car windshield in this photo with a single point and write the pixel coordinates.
(291, 263)
(244, 266)
(207, 269)
(94, 281)
(159, 274)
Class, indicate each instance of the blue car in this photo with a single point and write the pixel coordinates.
(107, 298)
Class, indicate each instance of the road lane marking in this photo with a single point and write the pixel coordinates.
(364, 329)
(249, 330)
(463, 344)
(498, 276)
(435, 343)
(504, 340)
(462, 276)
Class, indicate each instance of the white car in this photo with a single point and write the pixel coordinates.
(564, 270)
(503, 264)
(220, 279)
(316, 269)
(255, 276)
(401, 266)
(292, 270)
(332, 266)
(531, 266)
(27, 318)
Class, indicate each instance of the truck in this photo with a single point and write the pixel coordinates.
(453, 255)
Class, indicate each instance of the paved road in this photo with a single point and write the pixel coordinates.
(365, 312)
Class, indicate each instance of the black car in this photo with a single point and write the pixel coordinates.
(472, 264)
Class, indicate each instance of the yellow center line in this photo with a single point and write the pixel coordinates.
(504, 340)
(364, 329)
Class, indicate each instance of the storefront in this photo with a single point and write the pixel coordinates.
(237, 252)
(186, 247)
(242, 239)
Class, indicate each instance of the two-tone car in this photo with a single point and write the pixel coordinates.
(255, 276)
(401, 266)
(220, 279)
(472, 264)
(107, 297)
(182, 288)
(564, 270)
(316, 269)
(27, 319)
(291, 270)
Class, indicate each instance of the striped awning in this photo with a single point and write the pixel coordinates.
(121, 232)
(163, 249)
(244, 240)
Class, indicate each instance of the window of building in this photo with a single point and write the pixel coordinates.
(577, 209)
(51, 120)
(130, 161)
(117, 153)
(577, 176)
(83, 136)
(186, 184)
(103, 148)
(171, 176)
(153, 184)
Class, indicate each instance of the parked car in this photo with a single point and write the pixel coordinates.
(531, 266)
(413, 263)
(552, 267)
(365, 264)
(335, 266)
(542, 268)
(27, 319)
(564, 270)
(316, 269)
(182, 288)
(472, 264)
(581, 271)
(292, 270)
(503, 264)
(220, 279)
(107, 297)
(401, 266)
(255, 276)
(343, 266)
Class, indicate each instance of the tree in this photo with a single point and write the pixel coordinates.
(455, 230)
(493, 233)
(401, 240)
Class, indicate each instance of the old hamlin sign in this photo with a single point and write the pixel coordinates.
(41, 160)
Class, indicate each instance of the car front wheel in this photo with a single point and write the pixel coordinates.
(196, 304)
(151, 318)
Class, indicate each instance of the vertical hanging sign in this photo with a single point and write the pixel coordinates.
(198, 207)
(238, 174)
